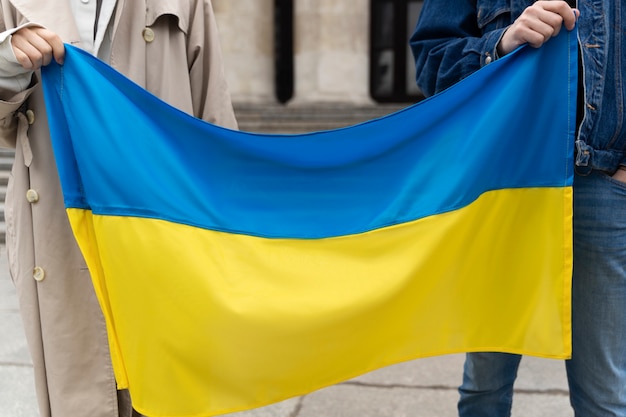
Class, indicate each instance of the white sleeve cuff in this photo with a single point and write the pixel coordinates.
(13, 77)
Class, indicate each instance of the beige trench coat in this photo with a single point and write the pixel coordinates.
(171, 48)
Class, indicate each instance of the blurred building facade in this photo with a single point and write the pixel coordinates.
(316, 53)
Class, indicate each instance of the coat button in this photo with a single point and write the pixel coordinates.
(488, 60)
(38, 273)
(32, 196)
(30, 116)
(148, 35)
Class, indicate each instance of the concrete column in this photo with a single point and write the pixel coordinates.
(331, 51)
(246, 32)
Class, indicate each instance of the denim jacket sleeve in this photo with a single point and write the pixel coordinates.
(454, 38)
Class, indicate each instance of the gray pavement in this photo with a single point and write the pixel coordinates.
(420, 388)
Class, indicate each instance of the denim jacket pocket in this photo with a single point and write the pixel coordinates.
(175, 9)
(493, 15)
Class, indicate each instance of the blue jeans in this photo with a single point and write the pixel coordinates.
(597, 371)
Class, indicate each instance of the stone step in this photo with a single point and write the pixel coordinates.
(6, 161)
(275, 118)
(4, 176)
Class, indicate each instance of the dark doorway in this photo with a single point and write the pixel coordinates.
(392, 71)
(283, 53)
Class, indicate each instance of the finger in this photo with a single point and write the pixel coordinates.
(544, 22)
(26, 53)
(37, 47)
(567, 15)
(532, 37)
(534, 32)
(571, 23)
(55, 43)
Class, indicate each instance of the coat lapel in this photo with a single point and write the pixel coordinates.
(117, 15)
(55, 15)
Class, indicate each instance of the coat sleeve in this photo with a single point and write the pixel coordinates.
(11, 103)
(210, 93)
(449, 44)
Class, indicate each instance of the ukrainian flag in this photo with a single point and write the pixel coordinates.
(238, 269)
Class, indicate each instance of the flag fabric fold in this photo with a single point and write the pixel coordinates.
(238, 269)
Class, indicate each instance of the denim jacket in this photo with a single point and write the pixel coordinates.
(454, 38)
